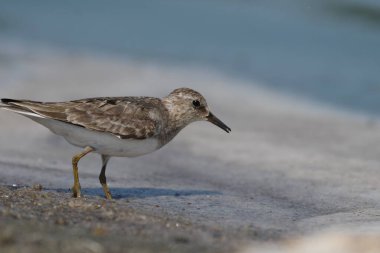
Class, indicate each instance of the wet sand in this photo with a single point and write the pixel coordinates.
(288, 169)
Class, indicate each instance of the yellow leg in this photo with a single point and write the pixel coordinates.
(102, 177)
(76, 158)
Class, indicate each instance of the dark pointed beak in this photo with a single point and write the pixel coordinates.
(214, 120)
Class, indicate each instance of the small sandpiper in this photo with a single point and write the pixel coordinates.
(117, 126)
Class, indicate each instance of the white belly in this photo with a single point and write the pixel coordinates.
(103, 143)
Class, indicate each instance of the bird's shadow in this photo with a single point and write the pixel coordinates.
(140, 193)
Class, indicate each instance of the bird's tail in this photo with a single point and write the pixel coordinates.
(5, 102)
(14, 105)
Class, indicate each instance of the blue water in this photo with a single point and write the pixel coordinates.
(326, 50)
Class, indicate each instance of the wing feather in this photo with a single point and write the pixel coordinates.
(125, 117)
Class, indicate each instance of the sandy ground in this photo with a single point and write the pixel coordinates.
(37, 220)
(288, 168)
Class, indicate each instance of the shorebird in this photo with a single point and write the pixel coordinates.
(117, 126)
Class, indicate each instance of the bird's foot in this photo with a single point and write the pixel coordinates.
(76, 191)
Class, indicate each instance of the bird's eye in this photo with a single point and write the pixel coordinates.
(196, 103)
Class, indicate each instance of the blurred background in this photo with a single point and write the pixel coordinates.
(323, 50)
(296, 80)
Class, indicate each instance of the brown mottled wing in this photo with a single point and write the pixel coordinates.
(125, 117)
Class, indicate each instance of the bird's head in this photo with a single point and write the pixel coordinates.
(186, 105)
